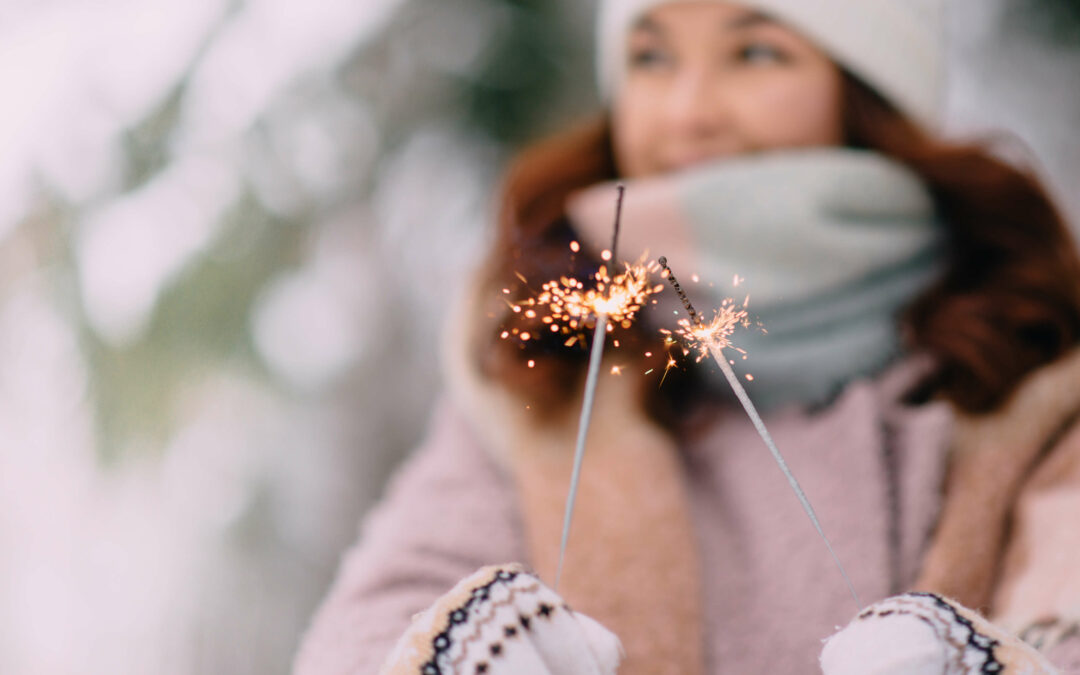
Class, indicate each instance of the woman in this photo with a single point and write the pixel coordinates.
(922, 308)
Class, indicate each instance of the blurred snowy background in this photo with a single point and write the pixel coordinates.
(227, 229)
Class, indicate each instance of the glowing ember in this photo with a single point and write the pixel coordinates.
(715, 333)
(671, 363)
(568, 306)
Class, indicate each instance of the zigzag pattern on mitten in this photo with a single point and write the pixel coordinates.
(927, 634)
(503, 620)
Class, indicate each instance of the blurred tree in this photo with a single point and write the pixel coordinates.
(500, 71)
(1059, 20)
(250, 377)
(532, 62)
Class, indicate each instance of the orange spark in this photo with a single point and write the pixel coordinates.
(717, 331)
(569, 307)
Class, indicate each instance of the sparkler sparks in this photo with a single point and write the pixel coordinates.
(712, 339)
(700, 336)
(569, 306)
(566, 306)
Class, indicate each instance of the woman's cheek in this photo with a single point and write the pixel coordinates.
(794, 112)
(635, 132)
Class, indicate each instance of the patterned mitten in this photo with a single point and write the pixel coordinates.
(500, 621)
(925, 634)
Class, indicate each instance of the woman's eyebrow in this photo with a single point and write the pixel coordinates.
(648, 25)
(743, 21)
(748, 20)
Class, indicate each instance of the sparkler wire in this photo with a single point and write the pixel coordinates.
(716, 350)
(618, 219)
(595, 357)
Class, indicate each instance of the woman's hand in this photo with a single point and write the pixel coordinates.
(925, 634)
(504, 620)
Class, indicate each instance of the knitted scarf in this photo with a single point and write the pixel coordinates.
(832, 244)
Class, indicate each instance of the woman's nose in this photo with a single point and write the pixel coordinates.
(695, 104)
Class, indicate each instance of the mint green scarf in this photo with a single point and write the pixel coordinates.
(832, 243)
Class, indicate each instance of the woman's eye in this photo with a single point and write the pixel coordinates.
(648, 57)
(761, 53)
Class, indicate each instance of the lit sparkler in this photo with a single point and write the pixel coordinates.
(568, 307)
(700, 336)
(712, 339)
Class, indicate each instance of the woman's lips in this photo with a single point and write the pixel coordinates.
(685, 160)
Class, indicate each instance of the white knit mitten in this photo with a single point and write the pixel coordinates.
(925, 634)
(501, 621)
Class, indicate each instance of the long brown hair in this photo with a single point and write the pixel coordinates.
(1008, 302)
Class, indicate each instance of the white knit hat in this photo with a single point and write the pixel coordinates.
(895, 46)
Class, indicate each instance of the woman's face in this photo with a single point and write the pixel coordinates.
(706, 80)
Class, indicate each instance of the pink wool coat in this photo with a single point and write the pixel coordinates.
(696, 553)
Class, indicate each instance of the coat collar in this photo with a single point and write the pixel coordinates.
(989, 460)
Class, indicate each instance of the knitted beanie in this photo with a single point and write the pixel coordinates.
(895, 46)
